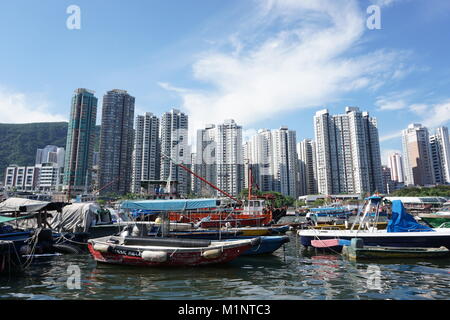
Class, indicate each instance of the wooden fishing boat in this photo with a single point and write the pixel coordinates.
(223, 233)
(207, 213)
(238, 222)
(259, 231)
(200, 234)
(153, 252)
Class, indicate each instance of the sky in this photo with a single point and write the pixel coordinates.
(263, 63)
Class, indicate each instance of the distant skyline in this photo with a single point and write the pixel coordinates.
(263, 63)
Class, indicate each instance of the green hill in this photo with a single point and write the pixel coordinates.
(19, 142)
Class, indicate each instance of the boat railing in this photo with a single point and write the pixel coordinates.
(364, 221)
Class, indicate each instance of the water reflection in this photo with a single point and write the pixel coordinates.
(284, 275)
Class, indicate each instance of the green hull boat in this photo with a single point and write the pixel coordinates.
(436, 220)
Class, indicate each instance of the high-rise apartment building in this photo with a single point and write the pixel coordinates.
(205, 160)
(174, 144)
(50, 154)
(396, 167)
(440, 155)
(347, 152)
(285, 162)
(306, 151)
(116, 142)
(146, 153)
(273, 158)
(259, 153)
(229, 157)
(417, 156)
(80, 141)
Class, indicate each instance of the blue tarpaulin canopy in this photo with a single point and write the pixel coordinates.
(156, 206)
(402, 221)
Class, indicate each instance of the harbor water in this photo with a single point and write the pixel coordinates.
(287, 274)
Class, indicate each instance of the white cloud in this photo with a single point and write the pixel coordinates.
(384, 105)
(391, 136)
(433, 116)
(16, 107)
(384, 3)
(394, 100)
(418, 108)
(304, 63)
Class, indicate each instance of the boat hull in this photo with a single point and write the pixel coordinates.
(247, 222)
(385, 239)
(268, 245)
(176, 257)
(220, 219)
(369, 253)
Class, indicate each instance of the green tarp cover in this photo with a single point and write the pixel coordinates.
(7, 219)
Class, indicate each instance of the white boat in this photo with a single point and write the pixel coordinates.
(402, 231)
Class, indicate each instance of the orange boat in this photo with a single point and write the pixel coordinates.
(254, 214)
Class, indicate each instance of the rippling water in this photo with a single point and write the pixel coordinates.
(286, 274)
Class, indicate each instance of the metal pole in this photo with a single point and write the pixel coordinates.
(202, 179)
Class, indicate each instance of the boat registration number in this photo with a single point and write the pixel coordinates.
(124, 252)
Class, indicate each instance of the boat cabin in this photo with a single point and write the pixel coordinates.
(256, 206)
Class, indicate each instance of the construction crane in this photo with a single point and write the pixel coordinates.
(202, 179)
(105, 186)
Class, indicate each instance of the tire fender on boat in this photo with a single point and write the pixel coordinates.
(100, 247)
(212, 254)
(154, 256)
(256, 241)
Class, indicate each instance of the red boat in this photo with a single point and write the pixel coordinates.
(246, 222)
(251, 213)
(220, 219)
(161, 252)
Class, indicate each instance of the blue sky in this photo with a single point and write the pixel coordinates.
(265, 63)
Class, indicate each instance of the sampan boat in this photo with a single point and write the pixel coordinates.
(155, 252)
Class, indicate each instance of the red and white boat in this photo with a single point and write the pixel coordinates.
(161, 252)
